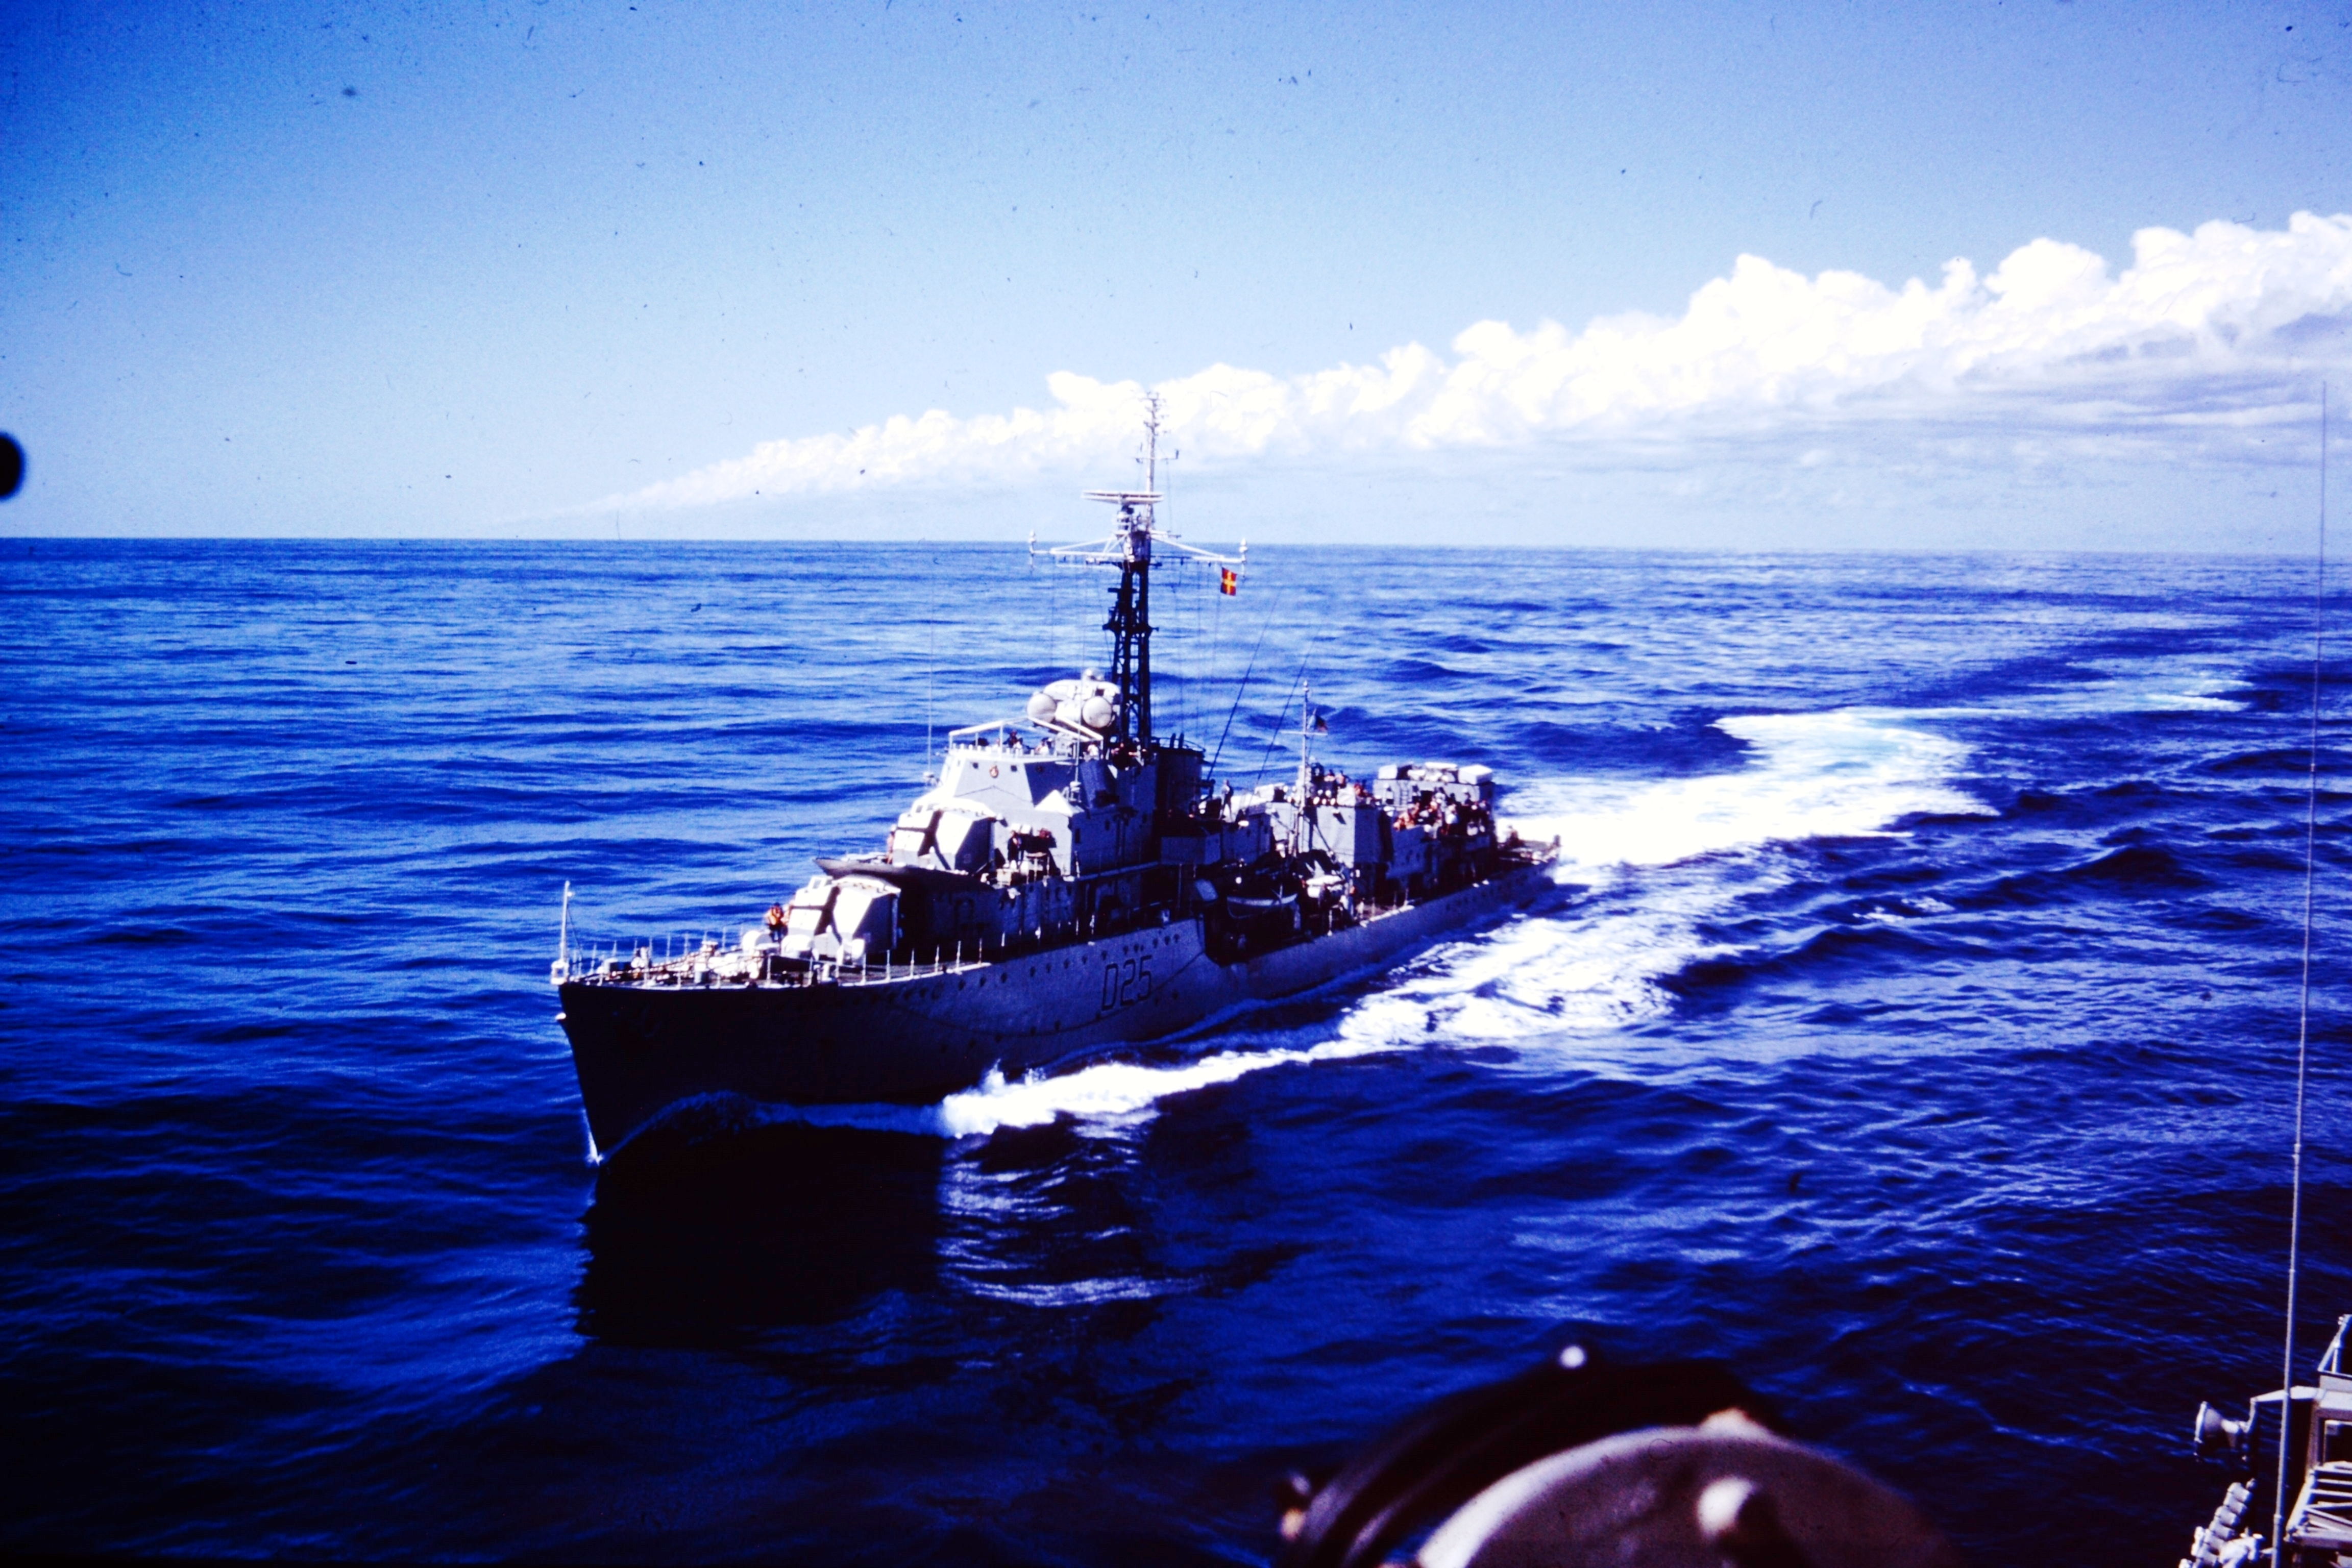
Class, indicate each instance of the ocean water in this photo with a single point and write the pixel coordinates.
(1912, 1029)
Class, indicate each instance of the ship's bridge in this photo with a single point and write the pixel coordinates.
(1004, 791)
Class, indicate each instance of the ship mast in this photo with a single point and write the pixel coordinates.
(1129, 548)
(1131, 614)
(1307, 743)
(1310, 724)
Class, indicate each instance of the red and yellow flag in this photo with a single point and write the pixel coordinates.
(1228, 581)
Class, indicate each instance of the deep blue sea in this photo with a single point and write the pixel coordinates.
(1912, 1029)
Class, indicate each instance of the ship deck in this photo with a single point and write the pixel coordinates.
(713, 964)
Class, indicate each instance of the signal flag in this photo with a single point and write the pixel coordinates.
(1228, 581)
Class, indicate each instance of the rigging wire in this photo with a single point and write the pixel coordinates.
(2302, 1021)
(1179, 602)
(1053, 610)
(1243, 690)
(1216, 623)
(1178, 591)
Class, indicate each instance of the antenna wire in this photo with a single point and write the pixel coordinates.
(2303, 1020)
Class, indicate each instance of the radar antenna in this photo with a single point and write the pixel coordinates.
(1129, 546)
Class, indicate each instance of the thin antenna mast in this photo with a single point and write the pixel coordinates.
(1306, 738)
(2303, 1020)
(1275, 739)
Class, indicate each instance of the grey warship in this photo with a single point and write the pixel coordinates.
(1072, 881)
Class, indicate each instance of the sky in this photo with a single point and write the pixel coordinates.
(1986, 275)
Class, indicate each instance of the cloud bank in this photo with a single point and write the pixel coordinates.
(2200, 350)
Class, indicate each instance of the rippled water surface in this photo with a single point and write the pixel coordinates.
(1912, 1027)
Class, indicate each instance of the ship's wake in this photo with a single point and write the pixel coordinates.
(1646, 869)
(1660, 863)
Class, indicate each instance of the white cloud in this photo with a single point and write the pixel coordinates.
(2206, 342)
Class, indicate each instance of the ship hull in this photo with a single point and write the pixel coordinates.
(914, 1039)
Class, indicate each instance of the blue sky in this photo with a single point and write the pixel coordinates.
(651, 269)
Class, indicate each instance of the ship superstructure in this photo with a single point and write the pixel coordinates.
(2293, 1453)
(1071, 879)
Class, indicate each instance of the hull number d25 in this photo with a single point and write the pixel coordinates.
(1126, 983)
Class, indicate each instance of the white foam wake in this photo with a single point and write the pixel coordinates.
(1112, 1093)
(1661, 858)
(1104, 1096)
(1808, 776)
(2154, 685)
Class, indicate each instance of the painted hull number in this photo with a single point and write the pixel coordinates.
(1126, 983)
